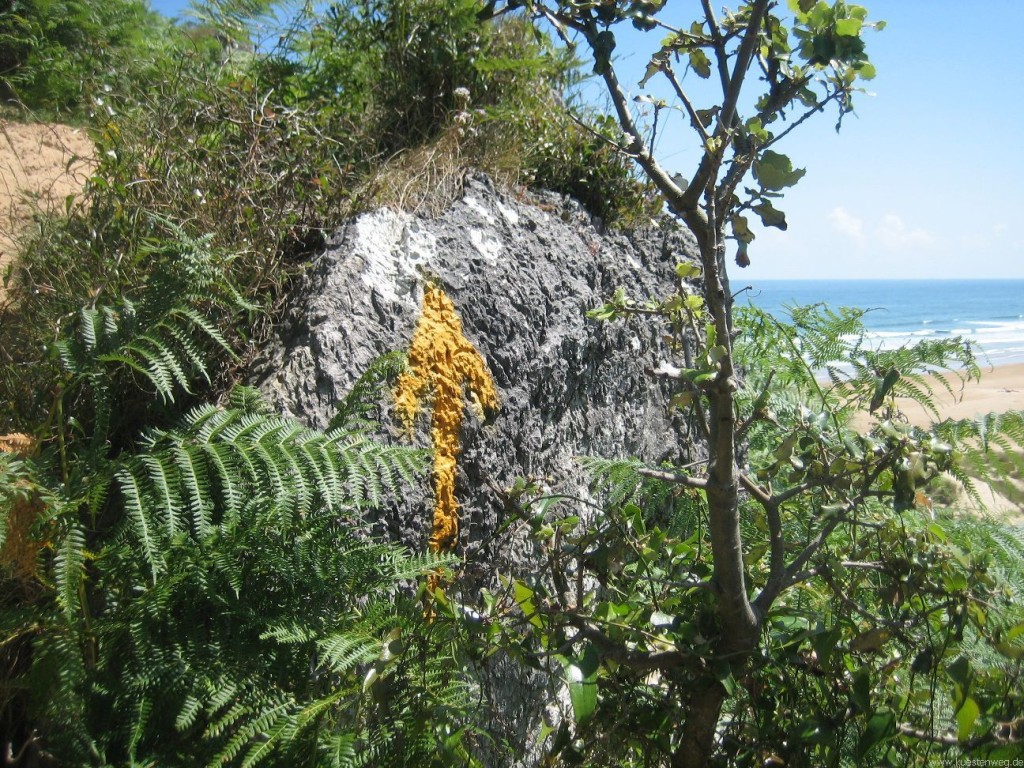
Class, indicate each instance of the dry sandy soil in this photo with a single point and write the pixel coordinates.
(40, 165)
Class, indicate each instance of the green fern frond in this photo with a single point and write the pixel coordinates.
(168, 495)
(283, 730)
(621, 482)
(140, 514)
(189, 713)
(69, 569)
(342, 651)
(253, 733)
(249, 400)
(820, 340)
(354, 410)
(292, 633)
(168, 335)
(991, 444)
(404, 566)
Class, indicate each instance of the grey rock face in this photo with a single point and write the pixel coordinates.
(522, 276)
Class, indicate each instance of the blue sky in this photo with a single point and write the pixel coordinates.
(925, 180)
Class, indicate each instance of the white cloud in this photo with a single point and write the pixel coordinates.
(892, 232)
(845, 223)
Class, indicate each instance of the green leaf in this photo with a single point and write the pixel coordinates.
(1014, 632)
(581, 677)
(774, 171)
(654, 66)
(959, 672)
(771, 216)
(603, 46)
(723, 672)
(701, 63)
(803, 6)
(741, 229)
(862, 689)
(524, 599)
(883, 386)
(870, 641)
(881, 725)
(687, 270)
(707, 116)
(848, 27)
(1010, 651)
(966, 717)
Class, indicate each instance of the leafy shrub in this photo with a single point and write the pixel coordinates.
(204, 594)
(901, 640)
(56, 56)
(413, 70)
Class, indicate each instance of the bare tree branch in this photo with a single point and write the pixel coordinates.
(695, 121)
(718, 45)
(674, 477)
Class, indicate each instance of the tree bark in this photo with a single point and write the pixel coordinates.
(698, 739)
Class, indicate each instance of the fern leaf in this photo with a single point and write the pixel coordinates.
(281, 730)
(195, 485)
(189, 713)
(226, 474)
(202, 324)
(69, 568)
(253, 730)
(344, 650)
(137, 510)
(167, 494)
(359, 400)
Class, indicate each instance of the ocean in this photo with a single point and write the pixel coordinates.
(988, 312)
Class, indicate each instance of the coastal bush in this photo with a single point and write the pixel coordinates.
(408, 69)
(903, 599)
(64, 58)
(778, 600)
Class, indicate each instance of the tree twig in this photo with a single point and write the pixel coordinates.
(674, 477)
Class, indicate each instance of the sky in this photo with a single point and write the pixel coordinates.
(924, 180)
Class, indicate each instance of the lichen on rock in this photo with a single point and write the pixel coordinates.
(443, 364)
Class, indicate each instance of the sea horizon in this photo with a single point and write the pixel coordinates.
(987, 312)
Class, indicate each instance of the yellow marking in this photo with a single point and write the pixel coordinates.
(442, 365)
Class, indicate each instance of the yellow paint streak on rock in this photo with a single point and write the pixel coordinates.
(443, 365)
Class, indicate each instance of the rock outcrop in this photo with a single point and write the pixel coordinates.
(521, 275)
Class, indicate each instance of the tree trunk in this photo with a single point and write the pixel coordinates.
(738, 623)
(698, 739)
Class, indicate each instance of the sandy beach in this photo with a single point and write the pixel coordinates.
(1000, 389)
